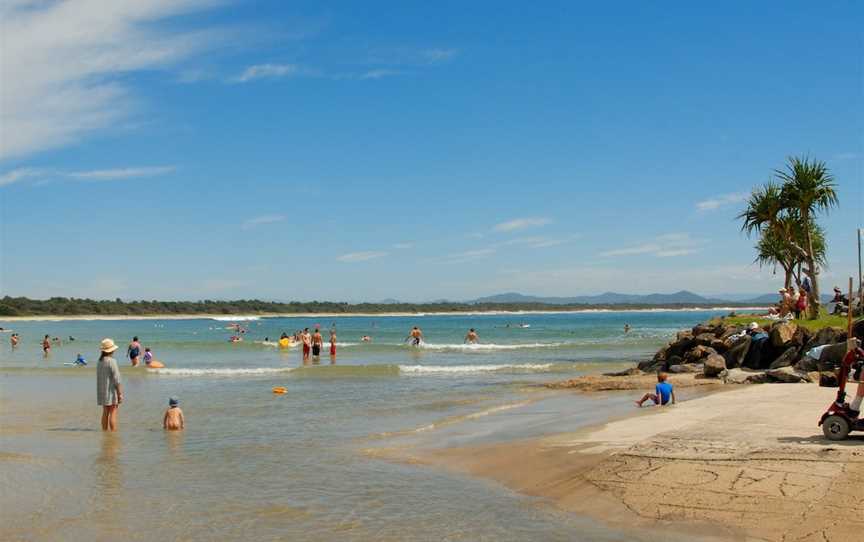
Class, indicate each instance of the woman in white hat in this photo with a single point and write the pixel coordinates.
(109, 392)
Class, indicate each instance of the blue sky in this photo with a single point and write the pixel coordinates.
(192, 149)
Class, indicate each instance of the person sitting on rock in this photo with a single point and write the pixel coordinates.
(663, 394)
(758, 338)
(841, 302)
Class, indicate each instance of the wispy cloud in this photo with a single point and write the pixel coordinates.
(118, 174)
(61, 83)
(521, 224)
(267, 71)
(537, 242)
(403, 246)
(261, 220)
(663, 246)
(352, 257)
(437, 55)
(20, 174)
(717, 202)
(378, 74)
(465, 256)
(121, 173)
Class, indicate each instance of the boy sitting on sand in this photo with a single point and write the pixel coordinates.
(173, 420)
(663, 392)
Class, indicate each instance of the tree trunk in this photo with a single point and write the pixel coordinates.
(812, 270)
(787, 281)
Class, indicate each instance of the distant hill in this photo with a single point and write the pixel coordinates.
(683, 297)
(608, 298)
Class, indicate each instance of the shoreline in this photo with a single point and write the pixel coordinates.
(247, 317)
(712, 466)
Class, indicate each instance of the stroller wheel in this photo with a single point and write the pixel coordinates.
(835, 427)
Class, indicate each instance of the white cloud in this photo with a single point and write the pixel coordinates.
(521, 224)
(378, 74)
(439, 55)
(20, 174)
(663, 246)
(266, 71)
(44, 174)
(261, 220)
(122, 173)
(465, 256)
(403, 246)
(352, 257)
(716, 202)
(62, 64)
(536, 242)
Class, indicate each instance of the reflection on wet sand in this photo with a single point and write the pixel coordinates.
(107, 469)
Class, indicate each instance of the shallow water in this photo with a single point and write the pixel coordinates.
(255, 465)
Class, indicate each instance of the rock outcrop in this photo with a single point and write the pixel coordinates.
(721, 351)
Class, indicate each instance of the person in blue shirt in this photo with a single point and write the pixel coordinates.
(663, 392)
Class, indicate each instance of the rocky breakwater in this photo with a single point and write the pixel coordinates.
(779, 352)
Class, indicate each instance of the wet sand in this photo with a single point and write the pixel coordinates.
(747, 464)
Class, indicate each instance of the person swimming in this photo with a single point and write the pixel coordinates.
(471, 337)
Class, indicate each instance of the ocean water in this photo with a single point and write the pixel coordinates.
(254, 465)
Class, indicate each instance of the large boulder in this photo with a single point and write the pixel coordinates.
(729, 331)
(740, 376)
(783, 333)
(682, 344)
(787, 375)
(832, 356)
(714, 365)
(826, 335)
(807, 364)
(701, 329)
(698, 353)
(718, 345)
(704, 339)
(737, 352)
(647, 365)
(786, 359)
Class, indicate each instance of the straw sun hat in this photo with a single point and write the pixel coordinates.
(108, 346)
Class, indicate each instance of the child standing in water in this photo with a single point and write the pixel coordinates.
(173, 419)
(148, 356)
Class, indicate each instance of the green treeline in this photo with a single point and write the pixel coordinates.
(65, 306)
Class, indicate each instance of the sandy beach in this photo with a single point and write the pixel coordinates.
(241, 317)
(746, 464)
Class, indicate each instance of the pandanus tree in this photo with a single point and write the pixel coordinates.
(784, 214)
(773, 250)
